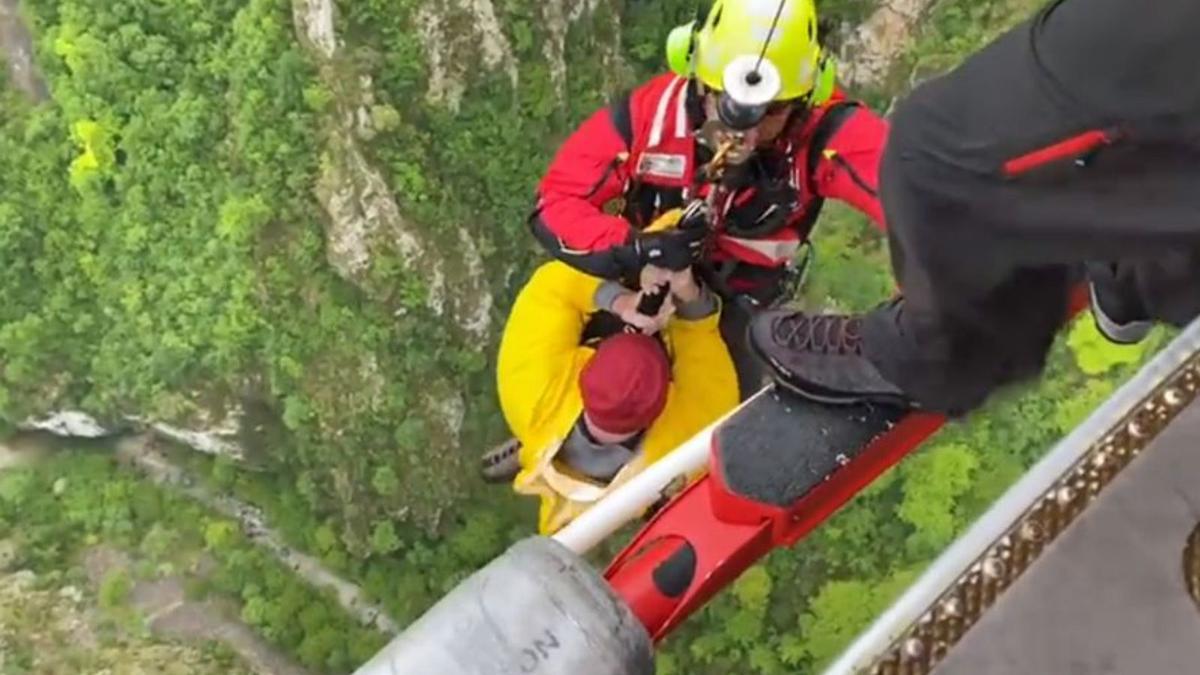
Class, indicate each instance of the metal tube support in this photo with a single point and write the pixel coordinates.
(538, 609)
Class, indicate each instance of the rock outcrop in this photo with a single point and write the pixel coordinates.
(365, 221)
(871, 50)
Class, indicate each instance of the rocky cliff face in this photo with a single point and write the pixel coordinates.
(364, 219)
(16, 46)
(870, 52)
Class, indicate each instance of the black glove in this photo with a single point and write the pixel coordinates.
(676, 249)
(767, 211)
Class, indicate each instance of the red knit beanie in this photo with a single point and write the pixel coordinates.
(624, 386)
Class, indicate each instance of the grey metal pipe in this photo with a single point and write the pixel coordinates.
(538, 609)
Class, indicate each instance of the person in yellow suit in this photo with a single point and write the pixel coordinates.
(590, 406)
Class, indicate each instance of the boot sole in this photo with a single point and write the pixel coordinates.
(1118, 333)
(502, 470)
(889, 400)
(499, 477)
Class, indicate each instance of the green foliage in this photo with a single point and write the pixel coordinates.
(1073, 411)
(159, 543)
(115, 589)
(385, 481)
(106, 503)
(384, 539)
(933, 482)
(324, 539)
(96, 158)
(849, 269)
(838, 612)
(478, 540)
(15, 487)
(959, 27)
(842, 609)
(219, 534)
(666, 664)
(385, 118)
(1095, 354)
(163, 250)
(753, 589)
(645, 28)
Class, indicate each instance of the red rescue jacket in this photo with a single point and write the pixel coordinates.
(637, 158)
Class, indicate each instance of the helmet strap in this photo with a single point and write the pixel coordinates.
(825, 80)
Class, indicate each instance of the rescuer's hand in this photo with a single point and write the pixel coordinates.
(625, 306)
(683, 286)
(682, 283)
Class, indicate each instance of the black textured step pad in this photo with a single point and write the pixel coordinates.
(781, 446)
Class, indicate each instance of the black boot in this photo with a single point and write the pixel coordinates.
(502, 463)
(819, 356)
(1117, 305)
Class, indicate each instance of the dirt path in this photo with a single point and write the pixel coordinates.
(23, 449)
(16, 48)
(169, 614)
(48, 628)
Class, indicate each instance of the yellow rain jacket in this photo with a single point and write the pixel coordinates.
(538, 371)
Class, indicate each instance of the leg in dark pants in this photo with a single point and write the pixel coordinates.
(1168, 285)
(970, 320)
(1127, 294)
(735, 317)
(948, 360)
(986, 260)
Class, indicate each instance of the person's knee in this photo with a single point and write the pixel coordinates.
(1180, 309)
(1169, 287)
(735, 321)
(750, 372)
(903, 124)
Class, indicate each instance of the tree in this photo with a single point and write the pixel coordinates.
(933, 481)
(1095, 354)
(838, 612)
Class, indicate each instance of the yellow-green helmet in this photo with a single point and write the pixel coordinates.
(738, 28)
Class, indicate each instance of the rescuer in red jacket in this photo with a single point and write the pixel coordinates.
(751, 127)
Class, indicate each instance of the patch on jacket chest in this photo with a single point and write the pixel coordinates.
(662, 165)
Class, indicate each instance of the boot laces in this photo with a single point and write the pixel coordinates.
(821, 333)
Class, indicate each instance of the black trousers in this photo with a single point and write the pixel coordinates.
(1074, 137)
(751, 374)
(767, 287)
